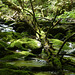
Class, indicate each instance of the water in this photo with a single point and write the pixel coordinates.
(6, 28)
(36, 62)
(29, 63)
(72, 46)
(45, 73)
(54, 73)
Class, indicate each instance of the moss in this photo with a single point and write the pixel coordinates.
(4, 65)
(14, 72)
(9, 66)
(23, 27)
(69, 63)
(8, 69)
(69, 67)
(2, 34)
(3, 50)
(25, 53)
(45, 23)
(12, 57)
(57, 44)
(16, 56)
(8, 36)
(4, 44)
(28, 42)
(59, 36)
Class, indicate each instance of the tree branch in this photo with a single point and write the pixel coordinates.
(65, 42)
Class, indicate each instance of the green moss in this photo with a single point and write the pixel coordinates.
(3, 43)
(14, 72)
(57, 44)
(8, 69)
(16, 56)
(12, 57)
(3, 50)
(4, 65)
(28, 42)
(9, 66)
(69, 67)
(2, 34)
(25, 53)
(6, 36)
(58, 63)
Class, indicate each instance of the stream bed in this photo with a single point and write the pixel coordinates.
(38, 63)
(29, 63)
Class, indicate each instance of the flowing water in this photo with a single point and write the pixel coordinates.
(36, 62)
(39, 63)
(6, 28)
(29, 63)
(53, 73)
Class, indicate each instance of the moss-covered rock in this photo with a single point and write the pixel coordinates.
(17, 56)
(8, 69)
(6, 36)
(11, 57)
(23, 27)
(3, 50)
(9, 36)
(9, 66)
(14, 72)
(57, 44)
(69, 64)
(4, 44)
(24, 44)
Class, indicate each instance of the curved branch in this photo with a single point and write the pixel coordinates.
(65, 42)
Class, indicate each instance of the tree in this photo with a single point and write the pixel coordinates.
(30, 11)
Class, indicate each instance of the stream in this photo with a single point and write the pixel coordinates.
(36, 62)
(29, 63)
